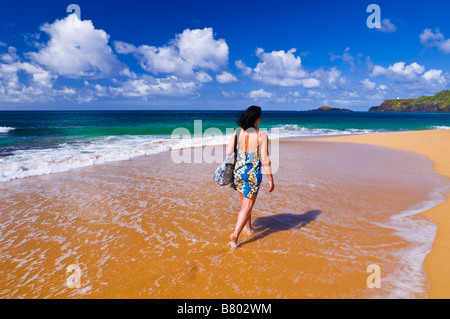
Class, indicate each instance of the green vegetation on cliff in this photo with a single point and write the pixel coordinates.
(438, 103)
(329, 108)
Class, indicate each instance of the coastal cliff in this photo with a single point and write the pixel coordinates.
(438, 103)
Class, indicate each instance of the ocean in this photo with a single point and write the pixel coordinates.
(149, 227)
(43, 142)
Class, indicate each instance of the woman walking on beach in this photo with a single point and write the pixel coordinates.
(252, 153)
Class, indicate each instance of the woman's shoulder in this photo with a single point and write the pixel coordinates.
(263, 134)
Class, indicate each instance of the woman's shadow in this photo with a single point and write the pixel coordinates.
(267, 225)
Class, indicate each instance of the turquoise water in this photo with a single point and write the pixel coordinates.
(42, 142)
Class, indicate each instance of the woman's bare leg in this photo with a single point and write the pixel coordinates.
(248, 224)
(243, 217)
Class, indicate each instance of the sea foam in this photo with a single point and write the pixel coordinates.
(5, 129)
(96, 151)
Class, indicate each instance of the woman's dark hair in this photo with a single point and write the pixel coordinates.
(249, 117)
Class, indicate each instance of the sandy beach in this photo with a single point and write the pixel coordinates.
(151, 228)
(436, 146)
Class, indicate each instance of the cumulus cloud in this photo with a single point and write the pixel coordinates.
(435, 39)
(244, 69)
(368, 84)
(413, 75)
(203, 77)
(77, 49)
(332, 78)
(435, 76)
(190, 54)
(226, 77)
(387, 26)
(285, 69)
(260, 94)
(22, 80)
(281, 68)
(400, 71)
(147, 86)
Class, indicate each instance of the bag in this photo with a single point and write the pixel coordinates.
(224, 173)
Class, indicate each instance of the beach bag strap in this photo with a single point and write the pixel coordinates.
(224, 173)
(236, 140)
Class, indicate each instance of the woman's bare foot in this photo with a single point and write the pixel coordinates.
(249, 231)
(234, 242)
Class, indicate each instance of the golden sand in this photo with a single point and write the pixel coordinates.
(436, 146)
(150, 228)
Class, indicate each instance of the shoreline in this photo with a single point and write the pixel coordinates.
(435, 145)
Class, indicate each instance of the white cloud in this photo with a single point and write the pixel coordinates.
(406, 73)
(347, 57)
(124, 48)
(77, 49)
(378, 70)
(315, 94)
(244, 69)
(332, 78)
(147, 86)
(413, 76)
(387, 26)
(27, 82)
(260, 94)
(9, 57)
(100, 90)
(191, 52)
(310, 83)
(285, 69)
(435, 39)
(280, 68)
(434, 75)
(23, 81)
(368, 84)
(200, 50)
(68, 91)
(230, 94)
(203, 77)
(226, 77)
(399, 71)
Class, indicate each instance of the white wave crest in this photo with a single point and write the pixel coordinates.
(34, 162)
(292, 130)
(5, 129)
(440, 127)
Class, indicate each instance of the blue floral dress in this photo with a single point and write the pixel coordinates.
(247, 172)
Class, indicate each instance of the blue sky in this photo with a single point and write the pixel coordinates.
(282, 55)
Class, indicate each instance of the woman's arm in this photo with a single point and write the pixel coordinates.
(265, 160)
(230, 146)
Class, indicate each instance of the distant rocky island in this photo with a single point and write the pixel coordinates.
(329, 108)
(438, 103)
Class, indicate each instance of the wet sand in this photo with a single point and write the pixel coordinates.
(436, 146)
(150, 228)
